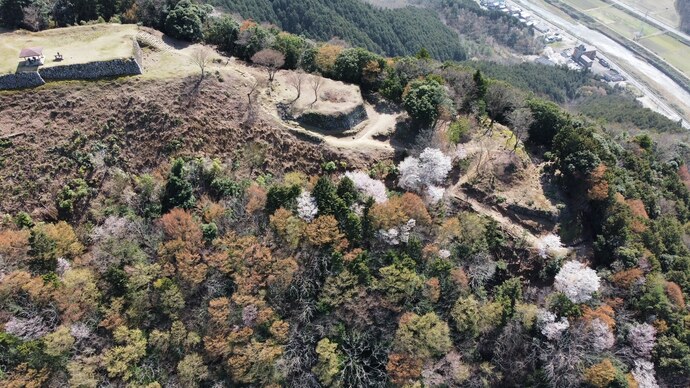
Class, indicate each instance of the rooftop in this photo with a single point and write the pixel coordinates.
(31, 52)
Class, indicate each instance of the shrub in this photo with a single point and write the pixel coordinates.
(425, 336)
(178, 191)
(424, 99)
(186, 20)
(602, 374)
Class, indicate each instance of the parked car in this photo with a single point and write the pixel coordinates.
(603, 62)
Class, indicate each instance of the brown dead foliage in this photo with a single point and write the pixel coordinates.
(139, 124)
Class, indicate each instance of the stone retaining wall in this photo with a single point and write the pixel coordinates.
(81, 71)
(137, 53)
(339, 122)
(20, 81)
(92, 70)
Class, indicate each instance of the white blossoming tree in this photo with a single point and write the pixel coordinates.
(642, 338)
(397, 235)
(390, 236)
(368, 186)
(643, 372)
(430, 169)
(549, 326)
(549, 245)
(577, 281)
(600, 335)
(434, 194)
(306, 206)
(27, 328)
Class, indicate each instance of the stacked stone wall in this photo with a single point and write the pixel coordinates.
(92, 70)
(80, 71)
(137, 53)
(337, 122)
(20, 81)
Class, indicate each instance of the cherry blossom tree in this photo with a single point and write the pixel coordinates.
(306, 206)
(434, 194)
(600, 335)
(577, 281)
(642, 337)
(397, 235)
(548, 245)
(27, 328)
(368, 186)
(644, 374)
(549, 326)
(425, 173)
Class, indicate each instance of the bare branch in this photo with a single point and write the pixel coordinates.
(296, 79)
(271, 59)
(201, 57)
(315, 82)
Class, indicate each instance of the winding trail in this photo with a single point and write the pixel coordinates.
(378, 123)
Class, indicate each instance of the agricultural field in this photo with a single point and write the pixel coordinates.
(663, 10)
(81, 44)
(665, 46)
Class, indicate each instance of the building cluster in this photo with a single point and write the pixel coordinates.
(584, 55)
(522, 16)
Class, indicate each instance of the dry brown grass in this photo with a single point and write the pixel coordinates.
(137, 125)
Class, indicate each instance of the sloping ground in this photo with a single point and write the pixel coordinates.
(86, 129)
(503, 178)
(133, 124)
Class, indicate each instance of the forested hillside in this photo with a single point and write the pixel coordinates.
(172, 230)
(393, 32)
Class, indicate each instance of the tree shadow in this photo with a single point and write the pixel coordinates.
(175, 43)
(382, 105)
(404, 135)
(191, 90)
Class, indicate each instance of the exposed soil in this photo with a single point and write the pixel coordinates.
(503, 183)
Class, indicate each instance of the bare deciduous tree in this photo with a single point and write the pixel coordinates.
(315, 83)
(296, 79)
(500, 97)
(520, 120)
(251, 101)
(271, 59)
(201, 57)
(253, 88)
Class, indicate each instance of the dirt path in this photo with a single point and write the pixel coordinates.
(363, 141)
(512, 228)
(377, 123)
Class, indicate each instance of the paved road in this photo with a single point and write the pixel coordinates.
(618, 54)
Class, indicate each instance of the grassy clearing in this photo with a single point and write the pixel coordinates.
(77, 44)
